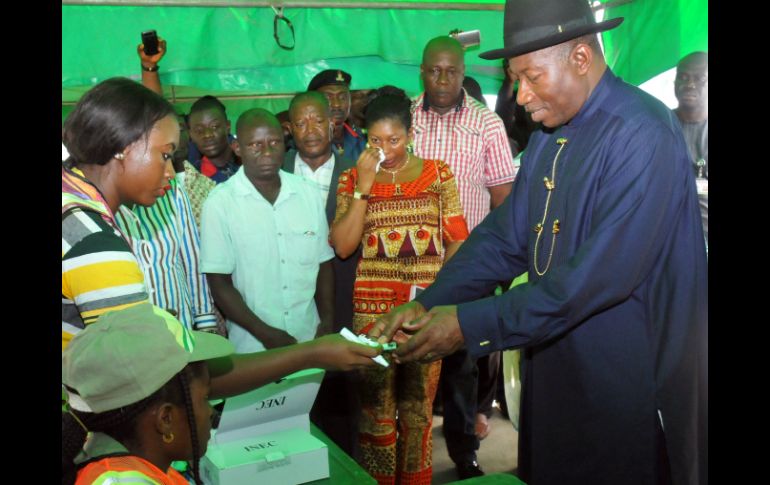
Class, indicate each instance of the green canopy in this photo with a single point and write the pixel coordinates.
(226, 47)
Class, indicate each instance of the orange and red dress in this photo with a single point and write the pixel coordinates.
(405, 230)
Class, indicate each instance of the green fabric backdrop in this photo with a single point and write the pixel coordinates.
(230, 51)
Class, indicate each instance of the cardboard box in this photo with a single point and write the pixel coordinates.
(264, 436)
(288, 457)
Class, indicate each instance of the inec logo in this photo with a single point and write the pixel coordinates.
(271, 403)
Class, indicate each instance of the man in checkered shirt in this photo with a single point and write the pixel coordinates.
(450, 125)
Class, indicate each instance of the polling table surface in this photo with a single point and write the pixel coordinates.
(344, 470)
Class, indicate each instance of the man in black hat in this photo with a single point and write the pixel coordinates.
(604, 216)
(348, 140)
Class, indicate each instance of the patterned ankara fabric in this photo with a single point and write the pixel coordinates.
(402, 246)
(197, 187)
(472, 140)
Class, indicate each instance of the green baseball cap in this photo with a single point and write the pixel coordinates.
(129, 354)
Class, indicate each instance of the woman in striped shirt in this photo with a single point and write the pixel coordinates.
(121, 138)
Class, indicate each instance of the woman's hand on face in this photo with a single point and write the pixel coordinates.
(366, 166)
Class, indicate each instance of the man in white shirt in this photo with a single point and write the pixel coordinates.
(337, 409)
(264, 246)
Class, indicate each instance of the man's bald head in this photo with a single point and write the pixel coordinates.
(443, 43)
(442, 71)
(260, 146)
(694, 58)
(311, 126)
(691, 87)
(308, 97)
(255, 118)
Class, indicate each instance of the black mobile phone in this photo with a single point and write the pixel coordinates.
(150, 41)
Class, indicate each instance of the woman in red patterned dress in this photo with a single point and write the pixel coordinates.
(407, 216)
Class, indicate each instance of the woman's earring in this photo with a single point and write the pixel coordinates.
(168, 438)
(119, 156)
(410, 148)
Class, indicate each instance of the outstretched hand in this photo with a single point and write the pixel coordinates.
(334, 352)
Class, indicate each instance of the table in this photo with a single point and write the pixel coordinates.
(342, 468)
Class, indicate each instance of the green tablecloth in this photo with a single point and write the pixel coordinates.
(493, 479)
(344, 470)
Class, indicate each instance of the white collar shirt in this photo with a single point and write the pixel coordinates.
(272, 251)
(321, 177)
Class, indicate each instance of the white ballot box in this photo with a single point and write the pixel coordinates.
(264, 436)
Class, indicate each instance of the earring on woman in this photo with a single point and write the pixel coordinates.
(168, 438)
(119, 156)
(410, 148)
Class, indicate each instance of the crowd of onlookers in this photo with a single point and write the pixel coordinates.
(275, 232)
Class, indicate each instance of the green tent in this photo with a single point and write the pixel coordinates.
(227, 47)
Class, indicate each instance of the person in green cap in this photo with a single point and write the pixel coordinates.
(144, 402)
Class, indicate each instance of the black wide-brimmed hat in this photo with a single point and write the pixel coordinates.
(531, 25)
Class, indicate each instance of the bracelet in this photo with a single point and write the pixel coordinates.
(150, 69)
(360, 196)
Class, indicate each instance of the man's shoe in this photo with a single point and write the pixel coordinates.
(469, 469)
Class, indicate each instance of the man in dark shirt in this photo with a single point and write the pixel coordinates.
(348, 140)
(613, 320)
(691, 88)
(337, 407)
(210, 151)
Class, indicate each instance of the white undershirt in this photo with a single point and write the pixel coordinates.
(321, 178)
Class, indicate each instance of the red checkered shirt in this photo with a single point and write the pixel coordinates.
(471, 139)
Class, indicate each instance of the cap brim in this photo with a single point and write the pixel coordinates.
(550, 40)
(210, 346)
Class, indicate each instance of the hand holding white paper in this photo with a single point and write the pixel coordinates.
(363, 339)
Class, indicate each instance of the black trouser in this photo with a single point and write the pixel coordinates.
(489, 376)
(337, 409)
(459, 385)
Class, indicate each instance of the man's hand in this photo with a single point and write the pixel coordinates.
(438, 335)
(153, 60)
(388, 327)
(334, 352)
(275, 337)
